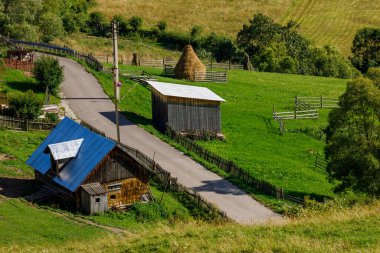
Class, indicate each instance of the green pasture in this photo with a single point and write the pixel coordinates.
(252, 136)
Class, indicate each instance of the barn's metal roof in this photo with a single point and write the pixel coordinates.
(185, 91)
(67, 149)
(94, 189)
(93, 149)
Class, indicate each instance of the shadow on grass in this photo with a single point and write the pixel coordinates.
(23, 86)
(16, 187)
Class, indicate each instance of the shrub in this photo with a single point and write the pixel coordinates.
(162, 25)
(27, 105)
(48, 74)
(97, 25)
(136, 23)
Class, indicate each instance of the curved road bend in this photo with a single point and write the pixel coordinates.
(87, 99)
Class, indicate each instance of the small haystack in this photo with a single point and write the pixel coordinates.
(188, 64)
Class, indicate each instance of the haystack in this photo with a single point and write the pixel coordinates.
(188, 64)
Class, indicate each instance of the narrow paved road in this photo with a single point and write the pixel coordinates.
(87, 99)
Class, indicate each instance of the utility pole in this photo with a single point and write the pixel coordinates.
(116, 82)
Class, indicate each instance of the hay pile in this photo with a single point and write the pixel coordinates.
(188, 64)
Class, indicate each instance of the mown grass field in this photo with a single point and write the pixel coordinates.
(338, 229)
(252, 136)
(323, 21)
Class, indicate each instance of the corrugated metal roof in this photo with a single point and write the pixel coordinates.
(185, 91)
(67, 149)
(93, 149)
(94, 189)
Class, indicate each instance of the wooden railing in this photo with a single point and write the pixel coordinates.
(308, 114)
(308, 103)
(55, 49)
(24, 124)
(210, 76)
(17, 64)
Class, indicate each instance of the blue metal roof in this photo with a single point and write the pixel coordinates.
(93, 149)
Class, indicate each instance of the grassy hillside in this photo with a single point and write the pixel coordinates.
(337, 230)
(103, 46)
(252, 136)
(323, 21)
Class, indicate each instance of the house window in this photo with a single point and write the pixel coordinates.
(113, 196)
(97, 200)
(114, 187)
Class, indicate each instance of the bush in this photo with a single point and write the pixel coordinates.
(136, 23)
(48, 74)
(27, 105)
(97, 25)
(162, 25)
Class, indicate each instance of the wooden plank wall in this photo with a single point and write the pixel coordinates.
(192, 114)
(131, 191)
(159, 110)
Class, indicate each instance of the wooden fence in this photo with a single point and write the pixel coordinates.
(17, 64)
(3, 99)
(210, 76)
(24, 124)
(160, 63)
(165, 178)
(309, 114)
(54, 49)
(232, 169)
(225, 66)
(168, 70)
(307, 103)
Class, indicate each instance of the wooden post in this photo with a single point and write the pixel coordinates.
(107, 58)
(296, 102)
(163, 62)
(229, 65)
(321, 102)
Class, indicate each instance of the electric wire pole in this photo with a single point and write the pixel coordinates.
(116, 81)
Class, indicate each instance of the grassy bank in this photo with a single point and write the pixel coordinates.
(337, 229)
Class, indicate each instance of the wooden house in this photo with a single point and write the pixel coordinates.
(88, 169)
(185, 108)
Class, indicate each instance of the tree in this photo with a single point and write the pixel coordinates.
(353, 138)
(195, 32)
(51, 26)
(97, 24)
(366, 49)
(122, 23)
(162, 25)
(136, 23)
(48, 74)
(27, 105)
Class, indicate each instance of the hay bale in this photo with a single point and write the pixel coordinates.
(188, 64)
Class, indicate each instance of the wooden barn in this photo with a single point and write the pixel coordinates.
(88, 169)
(185, 108)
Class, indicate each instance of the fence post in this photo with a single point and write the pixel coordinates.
(321, 102)
(296, 102)
(229, 65)
(26, 124)
(107, 58)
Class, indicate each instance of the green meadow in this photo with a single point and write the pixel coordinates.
(253, 140)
